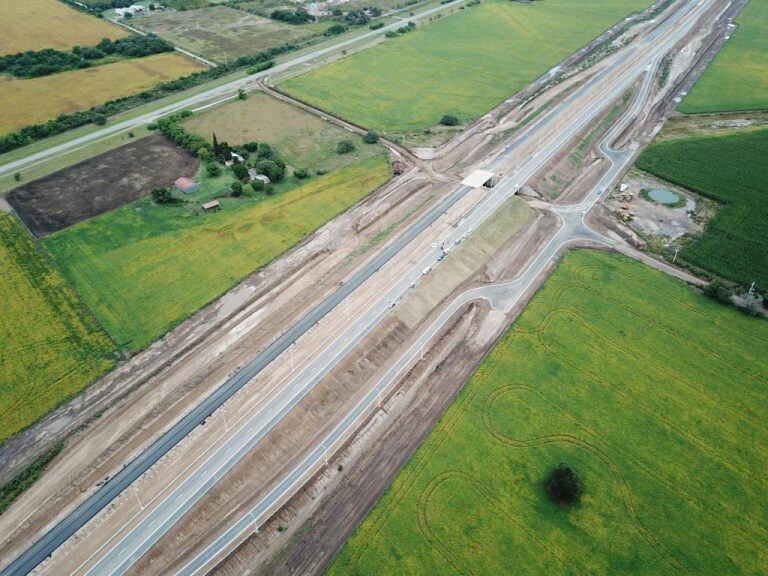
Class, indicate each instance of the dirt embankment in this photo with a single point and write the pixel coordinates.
(321, 516)
(369, 463)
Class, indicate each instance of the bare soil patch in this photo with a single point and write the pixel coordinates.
(100, 184)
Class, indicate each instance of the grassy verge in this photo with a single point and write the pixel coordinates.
(463, 65)
(611, 368)
(50, 346)
(731, 169)
(144, 268)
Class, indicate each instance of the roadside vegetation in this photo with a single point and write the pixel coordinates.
(461, 66)
(11, 490)
(732, 169)
(144, 268)
(612, 370)
(51, 347)
(737, 79)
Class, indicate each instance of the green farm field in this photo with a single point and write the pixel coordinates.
(732, 169)
(613, 368)
(50, 346)
(464, 64)
(144, 268)
(737, 79)
(301, 138)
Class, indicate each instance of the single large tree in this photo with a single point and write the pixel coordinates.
(564, 485)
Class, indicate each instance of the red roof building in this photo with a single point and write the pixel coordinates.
(186, 185)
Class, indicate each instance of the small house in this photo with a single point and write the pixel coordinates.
(186, 185)
(256, 176)
(236, 159)
(212, 205)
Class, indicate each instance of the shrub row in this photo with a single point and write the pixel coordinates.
(34, 64)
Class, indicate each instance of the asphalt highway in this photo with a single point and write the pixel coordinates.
(502, 296)
(120, 553)
(143, 535)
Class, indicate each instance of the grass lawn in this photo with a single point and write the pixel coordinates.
(732, 169)
(50, 346)
(37, 100)
(145, 268)
(463, 65)
(222, 34)
(737, 79)
(613, 368)
(37, 24)
(302, 139)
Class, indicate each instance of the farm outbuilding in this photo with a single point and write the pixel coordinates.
(212, 205)
(256, 176)
(186, 185)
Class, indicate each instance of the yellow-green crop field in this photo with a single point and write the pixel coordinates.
(37, 24)
(463, 65)
(654, 394)
(144, 268)
(737, 79)
(37, 100)
(50, 345)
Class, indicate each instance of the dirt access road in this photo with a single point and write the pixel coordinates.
(224, 423)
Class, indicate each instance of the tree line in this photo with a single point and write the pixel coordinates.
(64, 122)
(37, 63)
(298, 16)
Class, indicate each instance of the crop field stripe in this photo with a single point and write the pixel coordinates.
(737, 79)
(463, 65)
(638, 429)
(50, 346)
(38, 100)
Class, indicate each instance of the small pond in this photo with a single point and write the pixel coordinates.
(663, 196)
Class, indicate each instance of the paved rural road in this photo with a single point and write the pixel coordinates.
(227, 88)
(118, 555)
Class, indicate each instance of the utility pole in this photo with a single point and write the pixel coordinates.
(751, 290)
(137, 497)
(675, 258)
(290, 349)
